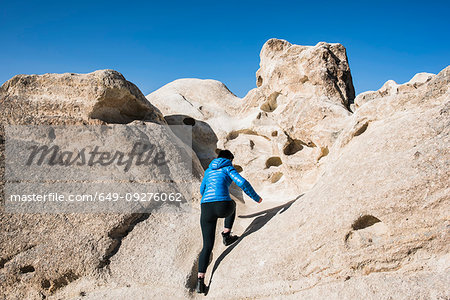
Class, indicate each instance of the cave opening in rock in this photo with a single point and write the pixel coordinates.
(364, 222)
(292, 147)
(276, 177)
(361, 129)
(273, 161)
(26, 269)
(323, 152)
(189, 121)
(271, 104)
(259, 81)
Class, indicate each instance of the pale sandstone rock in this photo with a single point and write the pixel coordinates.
(105, 95)
(372, 219)
(207, 105)
(201, 99)
(320, 70)
(302, 97)
(391, 88)
(41, 253)
(421, 78)
(307, 89)
(375, 225)
(286, 118)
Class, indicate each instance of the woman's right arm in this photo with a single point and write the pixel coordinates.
(243, 184)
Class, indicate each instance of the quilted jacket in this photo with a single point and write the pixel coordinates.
(217, 180)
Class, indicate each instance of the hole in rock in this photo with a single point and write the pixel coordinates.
(292, 147)
(232, 135)
(235, 133)
(275, 133)
(252, 144)
(361, 129)
(276, 176)
(364, 222)
(189, 121)
(3, 261)
(62, 281)
(271, 104)
(259, 81)
(238, 168)
(26, 269)
(323, 152)
(347, 236)
(311, 144)
(45, 284)
(273, 161)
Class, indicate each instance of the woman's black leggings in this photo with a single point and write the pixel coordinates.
(210, 212)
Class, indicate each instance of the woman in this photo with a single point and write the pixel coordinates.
(216, 203)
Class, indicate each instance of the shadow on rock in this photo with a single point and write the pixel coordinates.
(199, 135)
(262, 218)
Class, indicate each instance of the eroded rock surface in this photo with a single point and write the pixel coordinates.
(376, 221)
(104, 95)
(355, 202)
(40, 253)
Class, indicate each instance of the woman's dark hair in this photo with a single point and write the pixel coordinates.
(226, 154)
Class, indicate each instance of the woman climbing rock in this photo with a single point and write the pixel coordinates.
(216, 203)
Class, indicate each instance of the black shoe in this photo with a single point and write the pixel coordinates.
(201, 287)
(229, 239)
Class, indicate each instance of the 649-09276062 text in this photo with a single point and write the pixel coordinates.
(100, 197)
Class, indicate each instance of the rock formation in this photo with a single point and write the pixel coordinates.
(41, 253)
(104, 95)
(355, 189)
(282, 128)
(207, 105)
(375, 224)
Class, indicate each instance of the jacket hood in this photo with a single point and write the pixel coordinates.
(219, 163)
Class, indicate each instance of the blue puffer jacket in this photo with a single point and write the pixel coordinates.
(218, 178)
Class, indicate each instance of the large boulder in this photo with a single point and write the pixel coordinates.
(375, 224)
(280, 130)
(320, 70)
(104, 95)
(306, 90)
(354, 203)
(294, 115)
(206, 105)
(40, 253)
(200, 98)
(392, 89)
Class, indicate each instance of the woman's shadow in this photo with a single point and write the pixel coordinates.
(262, 218)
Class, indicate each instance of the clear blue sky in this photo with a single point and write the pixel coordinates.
(153, 43)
